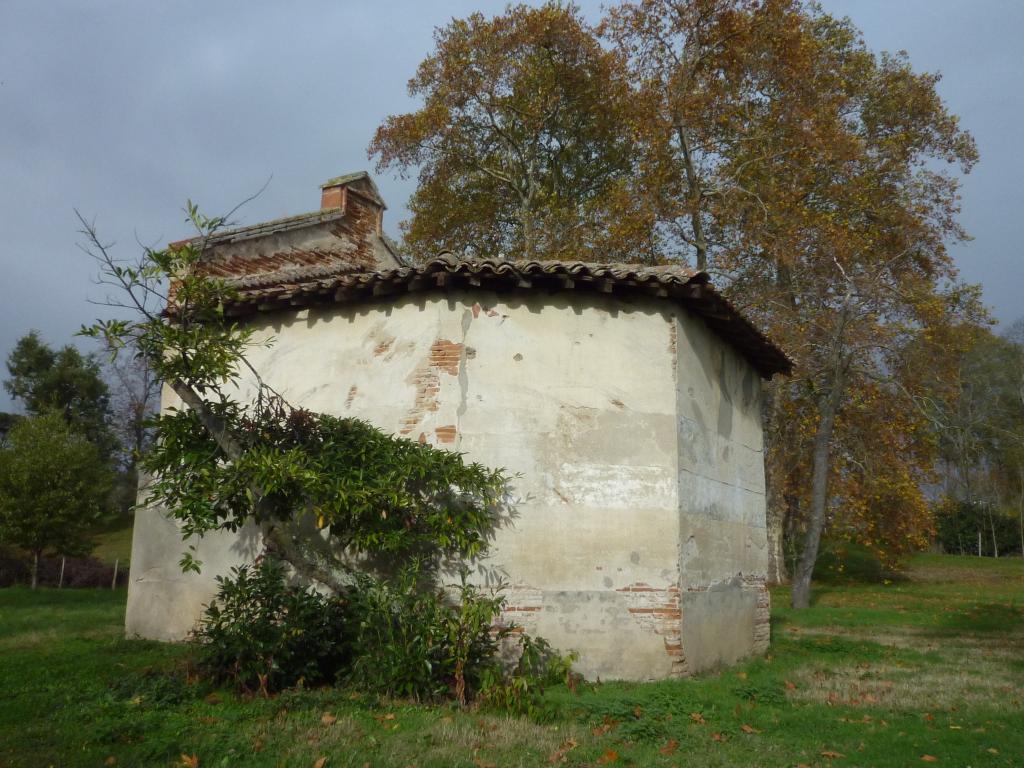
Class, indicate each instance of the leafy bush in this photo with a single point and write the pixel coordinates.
(263, 634)
(414, 640)
(399, 637)
(521, 690)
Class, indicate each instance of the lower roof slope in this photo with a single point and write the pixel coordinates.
(689, 288)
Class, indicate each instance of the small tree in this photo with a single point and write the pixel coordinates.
(319, 488)
(53, 488)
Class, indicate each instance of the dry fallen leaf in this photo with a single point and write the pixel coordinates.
(741, 675)
(189, 761)
(929, 758)
(328, 719)
(749, 729)
(558, 756)
(110, 761)
(698, 718)
(993, 750)
(610, 756)
(213, 698)
(670, 748)
(831, 754)
(257, 745)
(790, 686)
(320, 763)
(637, 712)
(719, 737)
(606, 727)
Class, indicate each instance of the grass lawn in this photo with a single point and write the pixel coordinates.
(926, 670)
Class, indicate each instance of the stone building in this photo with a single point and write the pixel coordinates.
(628, 398)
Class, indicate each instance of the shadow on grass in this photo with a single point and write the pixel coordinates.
(987, 617)
(850, 563)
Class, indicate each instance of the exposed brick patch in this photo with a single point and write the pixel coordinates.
(352, 392)
(446, 434)
(762, 614)
(383, 347)
(658, 610)
(444, 357)
(522, 604)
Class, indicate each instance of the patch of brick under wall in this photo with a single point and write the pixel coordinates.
(444, 357)
(762, 613)
(657, 610)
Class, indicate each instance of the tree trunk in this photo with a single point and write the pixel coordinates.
(992, 525)
(775, 504)
(822, 454)
(1020, 508)
(35, 568)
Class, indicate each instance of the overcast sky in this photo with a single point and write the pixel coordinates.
(125, 109)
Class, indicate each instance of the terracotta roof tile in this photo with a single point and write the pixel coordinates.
(304, 286)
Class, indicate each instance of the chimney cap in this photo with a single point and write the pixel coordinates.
(360, 181)
(346, 178)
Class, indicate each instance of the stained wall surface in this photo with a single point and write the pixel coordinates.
(634, 431)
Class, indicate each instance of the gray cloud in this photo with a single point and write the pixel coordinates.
(125, 109)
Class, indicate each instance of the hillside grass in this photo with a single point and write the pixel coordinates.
(114, 543)
(927, 669)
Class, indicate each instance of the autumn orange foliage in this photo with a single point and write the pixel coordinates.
(763, 141)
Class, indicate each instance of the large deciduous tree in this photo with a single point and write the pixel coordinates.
(523, 143)
(54, 485)
(806, 174)
(816, 181)
(807, 177)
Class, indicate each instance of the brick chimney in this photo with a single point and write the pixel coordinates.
(353, 189)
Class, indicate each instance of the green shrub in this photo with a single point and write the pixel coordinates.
(521, 690)
(399, 637)
(413, 640)
(263, 634)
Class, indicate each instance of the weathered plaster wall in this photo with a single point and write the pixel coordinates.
(609, 411)
(723, 555)
(163, 602)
